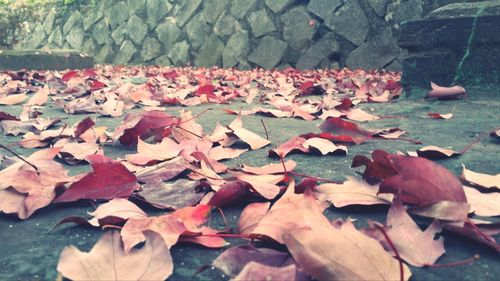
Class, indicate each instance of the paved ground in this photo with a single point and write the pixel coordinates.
(29, 250)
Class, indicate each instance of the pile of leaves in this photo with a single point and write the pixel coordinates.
(178, 167)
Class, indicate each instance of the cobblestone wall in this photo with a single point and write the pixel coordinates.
(234, 33)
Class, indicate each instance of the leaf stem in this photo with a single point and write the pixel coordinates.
(477, 139)
(20, 157)
(265, 129)
(393, 248)
(457, 263)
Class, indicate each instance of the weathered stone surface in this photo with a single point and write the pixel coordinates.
(137, 7)
(184, 10)
(39, 59)
(323, 8)
(404, 11)
(73, 20)
(379, 6)
(210, 52)
(240, 8)
(212, 9)
(116, 14)
(225, 25)
(168, 32)
(163, 60)
(268, 53)
(318, 52)
(350, 22)
(125, 53)
(75, 37)
(56, 39)
(88, 47)
(151, 49)
(37, 37)
(197, 29)
(236, 49)
(105, 54)
(89, 19)
(484, 8)
(244, 65)
(261, 23)
(376, 52)
(296, 29)
(137, 29)
(179, 53)
(48, 23)
(460, 46)
(118, 34)
(277, 6)
(157, 9)
(101, 32)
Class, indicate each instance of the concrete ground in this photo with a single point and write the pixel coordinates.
(30, 249)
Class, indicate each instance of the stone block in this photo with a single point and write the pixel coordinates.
(47, 60)
(125, 53)
(197, 29)
(36, 38)
(101, 32)
(179, 53)
(48, 23)
(261, 23)
(323, 8)
(225, 25)
(157, 9)
(88, 47)
(184, 10)
(163, 61)
(75, 37)
(118, 34)
(268, 53)
(240, 8)
(137, 7)
(210, 52)
(137, 29)
(105, 54)
(236, 49)
(376, 53)
(168, 32)
(212, 9)
(151, 49)
(278, 6)
(74, 19)
(56, 39)
(379, 6)
(296, 29)
(318, 52)
(349, 22)
(116, 14)
(404, 11)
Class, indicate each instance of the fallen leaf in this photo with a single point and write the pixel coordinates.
(39, 98)
(483, 204)
(252, 139)
(171, 195)
(445, 93)
(352, 192)
(481, 180)
(108, 261)
(12, 99)
(345, 131)
(436, 152)
(437, 115)
(324, 146)
(329, 253)
(109, 180)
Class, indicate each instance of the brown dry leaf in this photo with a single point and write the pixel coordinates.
(39, 98)
(74, 152)
(416, 247)
(329, 253)
(270, 168)
(265, 185)
(436, 152)
(479, 179)
(146, 152)
(483, 204)
(108, 261)
(324, 146)
(295, 143)
(171, 195)
(222, 153)
(252, 139)
(357, 114)
(12, 99)
(251, 216)
(352, 192)
(119, 208)
(437, 115)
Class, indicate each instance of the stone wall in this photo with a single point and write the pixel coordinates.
(234, 33)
